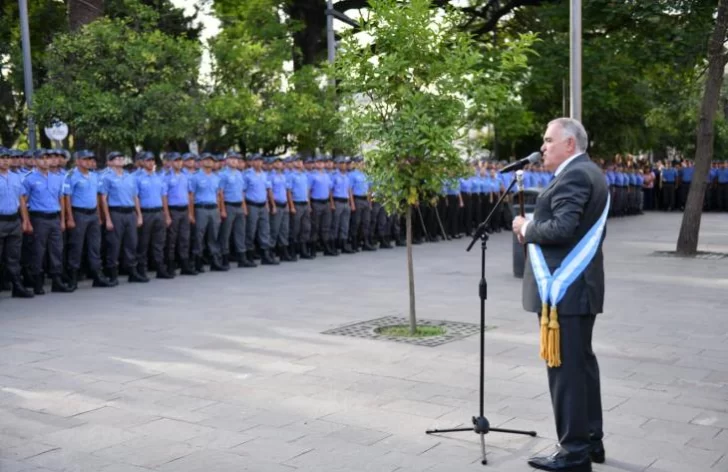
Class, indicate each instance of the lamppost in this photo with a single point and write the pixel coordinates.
(27, 69)
(575, 59)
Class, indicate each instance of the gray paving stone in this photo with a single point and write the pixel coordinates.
(174, 430)
(148, 452)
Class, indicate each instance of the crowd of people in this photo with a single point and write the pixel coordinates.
(63, 219)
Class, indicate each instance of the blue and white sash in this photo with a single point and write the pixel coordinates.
(553, 287)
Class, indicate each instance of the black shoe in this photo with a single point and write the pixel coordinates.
(142, 271)
(199, 265)
(596, 453)
(163, 273)
(113, 275)
(57, 285)
(384, 244)
(244, 262)
(329, 249)
(101, 281)
(368, 246)
(216, 265)
(136, 277)
(38, 281)
(562, 461)
(292, 251)
(267, 258)
(345, 248)
(187, 268)
(19, 290)
(226, 262)
(305, 252)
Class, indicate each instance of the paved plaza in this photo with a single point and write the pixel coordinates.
(229, 372)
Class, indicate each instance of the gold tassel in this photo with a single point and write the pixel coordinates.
(544, 330)
(554, 340)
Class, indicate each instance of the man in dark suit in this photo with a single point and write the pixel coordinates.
(567, 209)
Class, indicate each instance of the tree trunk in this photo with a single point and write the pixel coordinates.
(83, 12)
(410, 273)
(687, 241)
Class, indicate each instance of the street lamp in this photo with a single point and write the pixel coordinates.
(575, 59)
(27, 69)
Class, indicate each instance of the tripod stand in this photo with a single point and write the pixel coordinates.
(480, 423)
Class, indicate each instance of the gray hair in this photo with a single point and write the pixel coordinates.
(572, 128)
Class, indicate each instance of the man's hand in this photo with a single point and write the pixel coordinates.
(518, 223)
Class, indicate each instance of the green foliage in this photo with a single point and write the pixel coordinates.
(119, 83)
(414, 93)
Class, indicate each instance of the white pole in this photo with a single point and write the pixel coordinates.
(27, 69)
(575, 68)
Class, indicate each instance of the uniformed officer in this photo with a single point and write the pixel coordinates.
(280, 203)
(181, 211)
(723, 186)
(123, 215)
(152, 192)
(83, 220)
(233, 190)
(47, 223)
(362, 215)
(322, 204)
(13, 220)
(686, 178)
(209, 209)
(343, 205)
(300, 225)
(257, 199)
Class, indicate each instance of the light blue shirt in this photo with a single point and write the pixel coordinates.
(299, 186)
(82, 189)
(44, 191)
(178, 187)
(341, 185)
(279, 185)
(320, 184)
(359, 183)
(233, 185)
(120, 190)
(205, 187)
(11, 189)
(151, 188)
(257, 185)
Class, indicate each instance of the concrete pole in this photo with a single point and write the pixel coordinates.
(330, 38)
(27, 69)
(575, 63)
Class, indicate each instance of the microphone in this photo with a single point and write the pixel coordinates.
(532, 159)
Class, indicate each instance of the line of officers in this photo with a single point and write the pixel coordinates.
(208, 209)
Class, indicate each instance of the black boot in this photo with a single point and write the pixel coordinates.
(142, 271)
(305, 251)
(136, 277)
(267, 258)
(172, 267)
(226, 262)
(101, 281)
(57, 285)
(251, 257)
(244, 262)
(312, 250)
(19, 290)
(345, 248)
(199, 265)
(284, 254)
(73, 279)
(329, 249)
(385, 244)
(163, 273)
(368, 246)
(217, 265)
(187, 268)
(292, 252)
(38, 281)
(113, 275)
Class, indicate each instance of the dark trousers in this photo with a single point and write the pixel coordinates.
(11, 239)
(321, 221)
(88, 232)
(722, 197)
(301, 223)
(453, 215)
(466, 215)
(258, 223)
(279, 226)
(47, 241)
(123, 237)
(360, 220)
(178, 235)
(207, 223)
(233, 225)
(152, 233)
(668, 196)
(574, 387)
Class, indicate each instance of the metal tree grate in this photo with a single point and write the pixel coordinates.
(704, 255)
(454, 330)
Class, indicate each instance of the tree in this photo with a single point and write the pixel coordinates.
(119, 84)
(83, 12)
(405, 97)
(687, 242)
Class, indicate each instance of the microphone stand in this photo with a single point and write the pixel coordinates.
(481, 425)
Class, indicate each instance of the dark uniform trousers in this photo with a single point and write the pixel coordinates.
(207, 226)
(723, 197)
(320, 220)
(453, 212)
(668, 196)
(47, 240)
(123, 237)
(88, 232)
(300, 223)
(258, 224)
(11, 240)
(342, 215)
(360, 220)
(279, 226)
(178, 234)
(466, 215)
(683, 193)
(152, 233)
(233, 226)
(575, 388)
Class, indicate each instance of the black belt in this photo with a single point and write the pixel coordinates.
(668, 183)
(304, 202)
(12, 217)
(255, 204)
(281, 205)
(178, 207)
(85, 211)
(121, 209)
(44, 215)
(320, 200)
(206, 206)
(360, 197)
(240, 203)
(341, 200)
(152, 210)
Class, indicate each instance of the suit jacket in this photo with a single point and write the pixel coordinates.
(565, 211)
